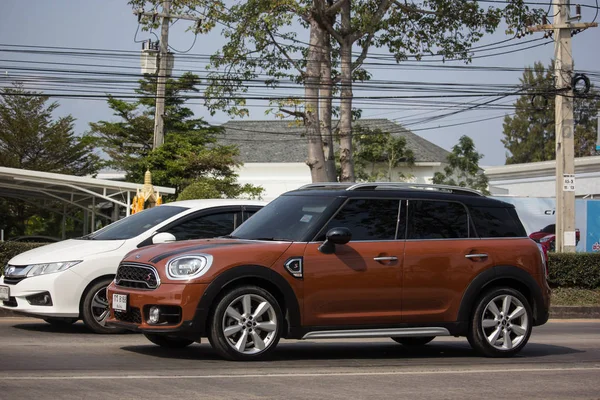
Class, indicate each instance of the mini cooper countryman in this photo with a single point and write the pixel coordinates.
(404, 261)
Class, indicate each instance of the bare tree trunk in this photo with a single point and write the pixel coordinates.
(325, 107)
(346, 161)
(316, 156)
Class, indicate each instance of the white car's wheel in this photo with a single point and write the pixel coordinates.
(94, 309)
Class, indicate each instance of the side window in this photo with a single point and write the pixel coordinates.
(205, 226)
(497, 222)
(248, 213)
(428, 219)
(367, 219)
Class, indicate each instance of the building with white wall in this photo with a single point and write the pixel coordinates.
(538, 179)
(274, 151)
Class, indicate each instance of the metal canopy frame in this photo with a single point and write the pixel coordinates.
(76, 192)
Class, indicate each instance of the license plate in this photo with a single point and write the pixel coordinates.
(119, 302)
(4, 293)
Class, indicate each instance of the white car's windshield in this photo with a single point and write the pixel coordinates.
(135, 224)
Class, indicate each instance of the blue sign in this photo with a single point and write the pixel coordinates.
(593, 226)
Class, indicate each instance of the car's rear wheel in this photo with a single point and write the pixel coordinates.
(61, 322)
(413, 341)
(246, 324)
(94, 308)
(501, 323)
(171, 342)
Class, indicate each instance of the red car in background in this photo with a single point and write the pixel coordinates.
(547, 237)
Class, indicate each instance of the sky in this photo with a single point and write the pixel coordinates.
(110, 24)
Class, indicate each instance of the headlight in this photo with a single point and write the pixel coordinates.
(546, 238)
(50, 268)
(190, 266)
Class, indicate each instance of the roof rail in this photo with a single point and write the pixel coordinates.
(326, 185)
(390, 185)
(408, 185)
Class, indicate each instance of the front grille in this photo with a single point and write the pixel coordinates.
(14, 274)
(12, 302)
(13, 281)
(137, 276)
(133, 315)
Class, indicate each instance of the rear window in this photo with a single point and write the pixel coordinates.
(493, 222)
(428, 219)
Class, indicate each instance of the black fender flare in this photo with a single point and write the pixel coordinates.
(489, 276)
(233, 275)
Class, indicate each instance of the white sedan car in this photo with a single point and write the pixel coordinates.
(66, 281)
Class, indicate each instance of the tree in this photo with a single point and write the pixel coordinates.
(529, 135)
(261, 41)
(463, 167)
(31, 138)
(377, 154)
(190, 153)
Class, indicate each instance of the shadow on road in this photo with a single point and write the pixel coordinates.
(41, 326)
(354, 351)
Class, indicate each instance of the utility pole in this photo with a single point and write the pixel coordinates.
(159, 121)
(163, 58)
(564, 125)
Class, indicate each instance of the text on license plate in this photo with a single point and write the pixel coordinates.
(119, 302)
(4, 293)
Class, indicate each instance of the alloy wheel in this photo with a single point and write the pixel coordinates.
(504, 322)
(250, 324)
(99, 306)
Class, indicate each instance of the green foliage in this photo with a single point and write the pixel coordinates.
(377, 154)
(190, 152)
(575, 270)
(30, 138)
(529, 135)
(463, 167)
(10, 249)
(210, 188)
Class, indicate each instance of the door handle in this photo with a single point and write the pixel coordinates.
(386, 258)
(482, 255)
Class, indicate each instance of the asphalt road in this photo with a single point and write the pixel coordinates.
(37, 361)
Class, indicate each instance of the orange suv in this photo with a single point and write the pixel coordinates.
(405, 261)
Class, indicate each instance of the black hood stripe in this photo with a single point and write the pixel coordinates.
(182, 250)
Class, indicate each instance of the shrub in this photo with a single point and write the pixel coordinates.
(576, 270)
(10, 249)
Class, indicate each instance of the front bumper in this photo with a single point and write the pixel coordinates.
(182, 296)
(65, 289)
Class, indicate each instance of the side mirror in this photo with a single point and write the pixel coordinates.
(335, 236)
(163, 237)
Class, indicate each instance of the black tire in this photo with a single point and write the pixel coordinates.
(413, 341)
(478, 334)
(170, 342)
(251, 351)
(61, 322)
(87, 315)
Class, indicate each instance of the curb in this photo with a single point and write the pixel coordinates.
(556, 312)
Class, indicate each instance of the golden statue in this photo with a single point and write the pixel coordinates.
(146, 195)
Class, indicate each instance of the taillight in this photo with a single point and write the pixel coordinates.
(544, 256)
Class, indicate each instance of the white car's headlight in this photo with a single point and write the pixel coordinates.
(189, 266)
(49, 268)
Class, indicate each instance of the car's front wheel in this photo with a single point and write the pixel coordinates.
(94, 308)
(246, 324)
(413, 341)
(171, 342)
(501, 323)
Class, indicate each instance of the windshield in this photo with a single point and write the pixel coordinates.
(135, 224)
(287, 218)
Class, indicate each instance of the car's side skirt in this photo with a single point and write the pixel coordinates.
(375, 333)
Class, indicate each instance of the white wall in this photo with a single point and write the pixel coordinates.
(585, 185)
(278, 178)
